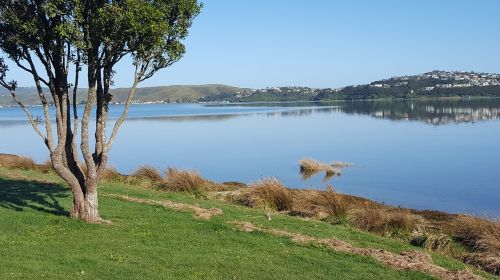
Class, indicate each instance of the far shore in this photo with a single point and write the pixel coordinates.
(453, 98)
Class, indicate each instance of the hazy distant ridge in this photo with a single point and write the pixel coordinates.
(430, 84)
(174, 93)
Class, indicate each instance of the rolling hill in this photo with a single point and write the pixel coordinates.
(174, 93)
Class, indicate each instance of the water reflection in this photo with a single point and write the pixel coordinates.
(399, 163)
(434, 112)
(437, 112)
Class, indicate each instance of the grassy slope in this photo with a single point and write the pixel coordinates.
(38, 240)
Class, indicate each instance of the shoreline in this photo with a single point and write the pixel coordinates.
(455, 235)
(423, 98)
(435, 215)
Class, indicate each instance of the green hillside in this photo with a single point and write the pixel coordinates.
(174, 93)
(38, 240)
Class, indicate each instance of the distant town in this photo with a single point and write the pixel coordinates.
(428, 85)
(431, 84)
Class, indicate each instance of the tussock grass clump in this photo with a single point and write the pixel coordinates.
(17, 162)
(268, 192)
(384, 220)
(45, 167)
(329, 202)
(178, 180)
(481, 235)
(147, 172)
(478, 234)
(233, 185)
(112, 175)
(488, 261)
(310, 167)
(433, 241)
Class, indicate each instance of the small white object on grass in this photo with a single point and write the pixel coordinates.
(268, 216)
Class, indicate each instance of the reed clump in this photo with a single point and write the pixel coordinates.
(177, 180)
(310, 167)
(384, 220)
(319, 203)
(477, 233)
(147, 172)
(112, 175)
(431, 241)
(268, 192)
(481, 235)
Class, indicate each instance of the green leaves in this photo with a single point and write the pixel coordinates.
(102, 31)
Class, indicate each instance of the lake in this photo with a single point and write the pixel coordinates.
(441, 155)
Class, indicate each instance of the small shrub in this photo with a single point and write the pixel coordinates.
(267, 192)
(147, 172)
(16, 162)
(182, 181)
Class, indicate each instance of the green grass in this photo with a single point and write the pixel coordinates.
(39, 241)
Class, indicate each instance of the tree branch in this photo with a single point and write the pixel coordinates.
(41, 95)
(32, 121)
(124, 114)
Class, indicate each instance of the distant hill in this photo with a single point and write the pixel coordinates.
(174, 93)
(431, 84)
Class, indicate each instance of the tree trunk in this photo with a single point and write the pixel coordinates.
(86, 207)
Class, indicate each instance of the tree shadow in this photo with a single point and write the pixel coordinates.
(19, 195)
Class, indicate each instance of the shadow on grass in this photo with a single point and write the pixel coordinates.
(21, 194)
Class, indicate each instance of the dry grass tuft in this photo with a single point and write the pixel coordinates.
(233, 185)
(16, 162)
(268, 192)
(182, 181)
(112, 175)
(45, 167)
(438, 242)
(478, 234)
(434, 242)
(147, 172)
(384, 220)
(329, 202)
(340, 164)
(310, 167)
(488, 261)
(482, 236)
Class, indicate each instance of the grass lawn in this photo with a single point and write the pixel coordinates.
(38, 240)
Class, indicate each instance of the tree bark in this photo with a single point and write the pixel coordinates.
(85, 206)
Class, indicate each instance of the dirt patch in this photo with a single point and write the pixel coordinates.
(406, 260)
(198, 212)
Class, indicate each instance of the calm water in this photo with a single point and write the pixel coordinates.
(436, 154)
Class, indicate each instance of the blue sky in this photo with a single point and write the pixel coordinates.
(327, 43)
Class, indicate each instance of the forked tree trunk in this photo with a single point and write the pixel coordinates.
(85, 207)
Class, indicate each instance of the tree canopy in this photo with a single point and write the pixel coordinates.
(62, 36)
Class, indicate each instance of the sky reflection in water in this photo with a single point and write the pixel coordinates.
(423, 154)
